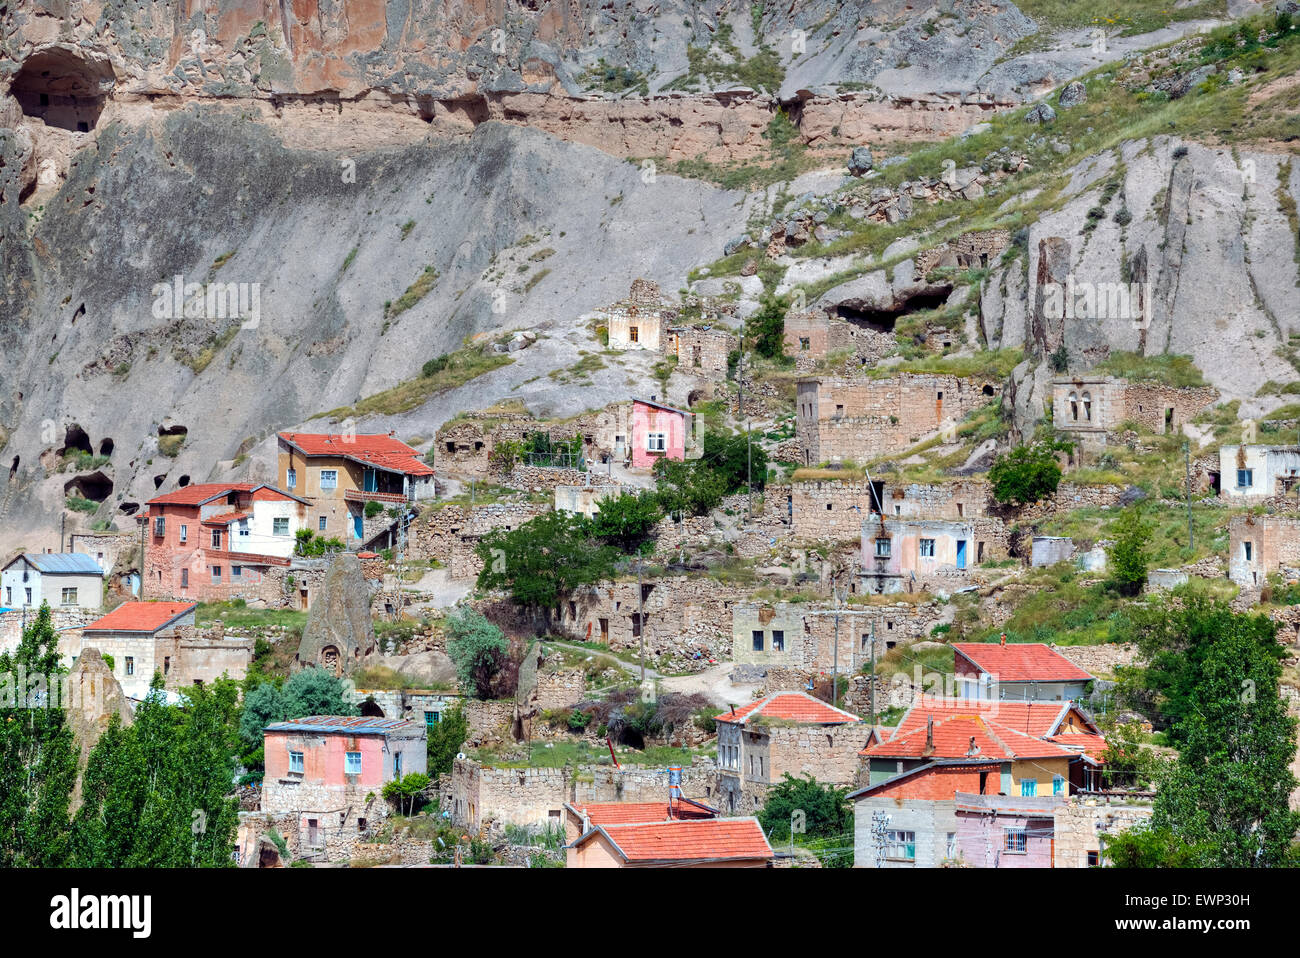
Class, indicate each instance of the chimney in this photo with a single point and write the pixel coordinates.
(929, 736)
(674, 787)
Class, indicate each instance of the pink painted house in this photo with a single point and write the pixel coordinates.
(1001, 831)
(330, 771)
(661, 432)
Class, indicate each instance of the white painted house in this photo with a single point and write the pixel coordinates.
(63, 579)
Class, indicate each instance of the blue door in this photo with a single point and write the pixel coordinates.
(357, 525)
(961, 553)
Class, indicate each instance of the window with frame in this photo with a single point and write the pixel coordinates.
(68, 596)
(236, 571)
(216, 573)
(778, 640)
(431, 719)
(1014, 841)
(927, 547)
(884, 548)
(1247, 551)
(324, 521)
(291, 478)
(397, 764)
(329, 478)
(950, 847)
(900, 846)
(184, 533)
(757, 636)
(159, 526)
(352, 763)
(216, 538)
(1245, 478)
(633, 334)
(656, 441)
(185, 578)
(1028, 787)
(130, 665)
(295, 762)
(280, 526)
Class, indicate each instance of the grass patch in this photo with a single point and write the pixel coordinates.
(461, 366)
(1170, 369)
(423, 284)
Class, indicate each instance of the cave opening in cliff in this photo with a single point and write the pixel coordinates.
(63, 89)
(96, 487)
(76, 440)
(884, 320)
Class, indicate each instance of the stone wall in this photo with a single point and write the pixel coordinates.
(450, 533)
(1082, 825)
(839, 419)
(480, 797)
(687, 619)
(973, 250)
(1091, 407)
(701, 350)
(835, 508)
(1098, 660)
(809, 639)
(559, 689)
(547, 477)
(1273, 543)
(812, 337)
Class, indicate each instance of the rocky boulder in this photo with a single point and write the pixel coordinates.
(1073, 95)
(1042, 113)
(339, 631)
(860, 161)
(94, 697)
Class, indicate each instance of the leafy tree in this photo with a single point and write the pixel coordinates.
(542, 561)
(446, 736)
(477, 648)
(827, 818)
(767, 326)
(1128, 557)
(315, 691)
(735, 458)
(684, 487)
(1027, 473)
(38, 764)
(1126, 762)
(1173, 640)
(1145, 847)
(405, 791)
(1228, 793)
(626, 521)
(263, 706)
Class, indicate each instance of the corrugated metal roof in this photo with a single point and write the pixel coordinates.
(68, 563)
(354, 724)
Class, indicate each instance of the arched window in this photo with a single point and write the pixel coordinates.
(1087, 406)
(1074, 406)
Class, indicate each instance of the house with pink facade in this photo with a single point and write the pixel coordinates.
(1000, 831)
(661, 432)
(329, 772)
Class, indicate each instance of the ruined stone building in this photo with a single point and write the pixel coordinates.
(813, 336)
(1090, 407)
(803, 637)
(1259, 546)
(465, 446)
(835, 508)
(838, 420)
(640, 321)
(973, 250)
(1257, 471)
(784, 733)
(701, 350)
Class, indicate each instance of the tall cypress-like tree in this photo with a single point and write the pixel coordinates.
(158, 794)
(38, 765)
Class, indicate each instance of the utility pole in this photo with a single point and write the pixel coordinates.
(1187, 462)
(640, 616)
(740, 374)
(871, 686)
(63, 519)
(749, 472)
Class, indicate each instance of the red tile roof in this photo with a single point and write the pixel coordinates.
(797, 707)
(625, 813)
(713, 840)
(1094, 746)
(199, 493)
(1038, 719)
(378, 449)
(225, 518)
(954, 735)
(140, 617)
(1021, 662)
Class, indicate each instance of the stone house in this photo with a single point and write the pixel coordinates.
(813, 336)
(1049, 550)
(1259, 546)
(802, 636)
(973, 250)
(701, 350)
(465, 446)
(709, 843)
(638, 322)
(1019, 671)
(1081, 827)
(909, 554)
(133, 634)
(329, 771)
(583, 500)
(450, 533)
(784, 733)
(220, 541)
(61, 579)
(1089, 407)
(1249, 472)
(117, 553)
(339, 474)
(838, 420)
(835, 508)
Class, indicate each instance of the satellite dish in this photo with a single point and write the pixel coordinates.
(461, 756)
